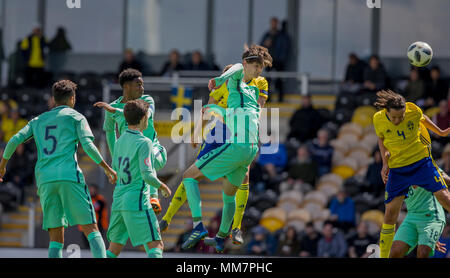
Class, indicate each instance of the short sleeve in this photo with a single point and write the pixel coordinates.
(376, 124)
(83, 128)
(263, 87)
(218, 93)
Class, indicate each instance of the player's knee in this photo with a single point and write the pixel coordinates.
(423, 251)
(89, 228)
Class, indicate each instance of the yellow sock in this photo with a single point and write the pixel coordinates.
(241, 202)
(177, 201)
(386, 237)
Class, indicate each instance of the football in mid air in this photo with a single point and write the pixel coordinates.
(420, 54)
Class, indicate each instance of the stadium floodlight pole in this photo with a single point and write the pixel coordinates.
(250, 22)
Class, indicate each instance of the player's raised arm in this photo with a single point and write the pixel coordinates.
(147, 171)
(108, 125)
(428, 123)
(236, 71)
(23, 135)
(86, 138)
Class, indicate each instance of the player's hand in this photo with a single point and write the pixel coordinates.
(384, 173)
(165, 190)
(112, 175)
(105, 106)
(212, 84)
(441, 247)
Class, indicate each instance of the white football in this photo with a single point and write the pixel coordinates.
(420, 54)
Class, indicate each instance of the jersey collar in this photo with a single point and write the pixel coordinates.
(133, 131)
(59, 107)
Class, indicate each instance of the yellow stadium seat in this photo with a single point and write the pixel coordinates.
(374, 216)
(344, 171)
(273, 219)
(363, 116)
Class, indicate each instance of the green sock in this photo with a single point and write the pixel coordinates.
(154, 252)
(110, 254)
(55, 249)
(229, 207)
(193, 197)
(97, 245)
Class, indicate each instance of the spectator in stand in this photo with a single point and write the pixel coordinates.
(33, 50)
(197, 62)
(415, 88)
(332, 244)
(445, 160)
(58, 47)
(305, 122)
(129, 61)
(442, 118)
(273, 157)
(375, 76)
(342, 209)
(288, 243)
(357, 244)
(373, 177)
(258, 243)
(445, 239)
(309, 241)
(354, 74)
(172, 65)
(20, 171)
(322, 152)
(12, 124)
(269, 38)
(258, 177)
(302, 172)
(436, 89)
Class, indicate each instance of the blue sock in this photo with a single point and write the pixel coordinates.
(55, 249)
(97, 245)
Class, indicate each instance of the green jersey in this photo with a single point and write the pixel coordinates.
(422, 203)
(57, 134)
(133, 161)
(111, 119)
(243, 109)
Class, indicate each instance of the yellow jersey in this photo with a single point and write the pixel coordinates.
(221, 94)
(403, 141)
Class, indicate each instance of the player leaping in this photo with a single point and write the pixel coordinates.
(231, 160)
(133, 88)
(63, 192)
(219, 96)
(409, 163)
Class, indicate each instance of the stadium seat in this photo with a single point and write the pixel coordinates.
(292, 195)
(314, 209)
(288, 205)
(273, 219)
(328, 188)
(299, 215)
(374, 216)
(339, 146)
(348, 138)
(361, 157)
(351, 128)
(317, 197)
(344, 171)
(332, 178)
(363, 116)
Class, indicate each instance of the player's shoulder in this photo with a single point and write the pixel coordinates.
(413, 108)
(379, 115)
(147, 98)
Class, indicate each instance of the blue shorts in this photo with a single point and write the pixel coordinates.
(423, 173)
(210, 144)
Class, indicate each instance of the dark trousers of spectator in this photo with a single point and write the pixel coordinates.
(35, 77)
(278, 66)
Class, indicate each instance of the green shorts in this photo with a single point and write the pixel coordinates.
(229, 160)
(420, 231)
(65, 203)
(140, 226)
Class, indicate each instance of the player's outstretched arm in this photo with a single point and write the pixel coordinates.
(428, 123)
(23, 135)
(105, 106)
